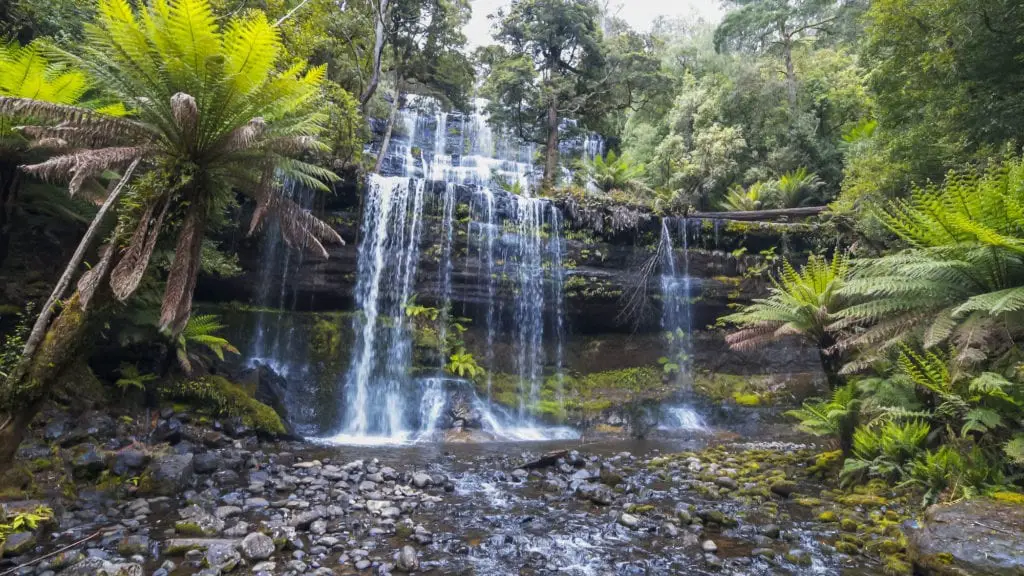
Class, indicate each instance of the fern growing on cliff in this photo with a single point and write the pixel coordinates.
(801, 303)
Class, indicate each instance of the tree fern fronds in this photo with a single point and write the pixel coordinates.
(994, 303)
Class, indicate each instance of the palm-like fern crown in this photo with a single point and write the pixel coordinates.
(26, 73)
(210, 111)
(613, 172)
(799, 303)
(794, 187)
(964, 264)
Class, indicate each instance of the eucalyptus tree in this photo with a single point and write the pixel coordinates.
(766, 26)
(550, 50)
(211, 111)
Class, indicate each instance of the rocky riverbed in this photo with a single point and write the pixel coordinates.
(234, 505)
(217, 500)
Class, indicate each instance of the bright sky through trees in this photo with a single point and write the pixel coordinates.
(638, 13)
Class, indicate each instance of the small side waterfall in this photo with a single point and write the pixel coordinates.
(675, 296)
(676, 324)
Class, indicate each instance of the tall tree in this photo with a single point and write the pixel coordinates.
(562, 41)
(764, 26)
(947, 78)
(426, 43)
(211, 113)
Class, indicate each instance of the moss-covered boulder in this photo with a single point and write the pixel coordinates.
(225, 399)
(978, 537)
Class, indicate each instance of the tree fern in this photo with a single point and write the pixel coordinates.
(213, 110)
(800, 303)
(613, 172)
(964, 264)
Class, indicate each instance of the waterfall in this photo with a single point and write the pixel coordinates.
(676, 323)
(675, 296)
(519, 262)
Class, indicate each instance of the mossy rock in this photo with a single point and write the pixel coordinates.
(864, 500)
(827, 516)
(1010, 497)
(223, 398)
(639, 508)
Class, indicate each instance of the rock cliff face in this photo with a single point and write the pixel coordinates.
(299, 314)
(606, 250)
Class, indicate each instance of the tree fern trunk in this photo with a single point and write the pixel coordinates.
(23, 397)
(10, 179)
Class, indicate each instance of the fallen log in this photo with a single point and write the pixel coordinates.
(761, 214)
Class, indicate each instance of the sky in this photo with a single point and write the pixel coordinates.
(638, 13)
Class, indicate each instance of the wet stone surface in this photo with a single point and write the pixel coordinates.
(596, 510)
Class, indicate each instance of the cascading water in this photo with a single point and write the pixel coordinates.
(382, 401)
(676, 325)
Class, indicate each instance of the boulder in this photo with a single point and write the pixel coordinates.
(18, 543)
(168, 475)
(257, 546)
(222, 557)
(206, 462)
(128, 461)
(978, 537)
(87, 462)
(408, 560)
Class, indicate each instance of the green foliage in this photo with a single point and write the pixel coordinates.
(946, 78)
(14, 341)
(613, 172)
(25, 521)
(962, 273)
(828, 417)
(800, 303)
(213, 110)
(884, 451)
(797, 188)
(220, 397)
(414, 310)
(753, 198)
(463, 364)
(132, 378)
(201, 330)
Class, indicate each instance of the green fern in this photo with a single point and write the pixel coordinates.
(800, 303)
(795, 189)
(131, 377)
(613, 172)
(827, 417)
(962, 272)
(464, 365)
(202, 331)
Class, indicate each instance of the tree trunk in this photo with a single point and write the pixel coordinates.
(10, 180)
(39, 329)
(387, 132)
(830, 365)
(379, 31)
(551, 154)
(759, 215)
(24, 397)
(50, 349)
(787, 55)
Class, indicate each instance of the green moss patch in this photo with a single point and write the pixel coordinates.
(222, 398)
